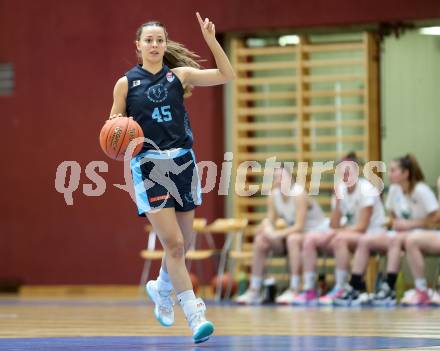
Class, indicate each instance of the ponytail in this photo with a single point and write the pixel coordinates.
(178, 55)
(409, 163)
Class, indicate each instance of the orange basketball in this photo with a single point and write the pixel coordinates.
(116, 135)
(227, 282)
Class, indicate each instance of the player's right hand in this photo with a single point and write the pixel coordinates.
(207, 28)
(115, 115)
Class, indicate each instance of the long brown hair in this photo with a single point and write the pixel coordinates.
(409, 163)
(176, 55)
(351, 156)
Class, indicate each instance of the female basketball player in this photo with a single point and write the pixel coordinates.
(360, 206)
(410, 203)
(421, 242)
(301, 215)
(152, 92)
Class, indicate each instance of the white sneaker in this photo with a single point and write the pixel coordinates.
(435, 298)
(250, 297)
(385, 296)
(287, 297)
(363, 299)
(195, 315)
(163, 309)
(416, 298)
(352, 297)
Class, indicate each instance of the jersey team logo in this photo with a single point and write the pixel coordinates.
(170, 76)
(157, 93)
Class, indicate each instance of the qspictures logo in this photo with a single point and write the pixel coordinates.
(68, 175)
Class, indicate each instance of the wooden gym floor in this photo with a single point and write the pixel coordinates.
(119, 323)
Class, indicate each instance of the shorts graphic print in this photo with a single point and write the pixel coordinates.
(161, 181)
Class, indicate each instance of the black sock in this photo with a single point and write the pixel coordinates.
(357, 282)
(391, 280)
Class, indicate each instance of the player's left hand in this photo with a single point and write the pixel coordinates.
(272, 235)
(207, 27)
(401, 224)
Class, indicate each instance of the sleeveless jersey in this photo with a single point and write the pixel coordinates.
(155, 101)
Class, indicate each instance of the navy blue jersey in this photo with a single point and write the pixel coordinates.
(155, 101)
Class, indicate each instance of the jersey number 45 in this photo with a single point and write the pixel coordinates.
(163, 114)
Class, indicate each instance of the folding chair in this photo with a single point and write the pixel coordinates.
(233, 228)
(151, 253)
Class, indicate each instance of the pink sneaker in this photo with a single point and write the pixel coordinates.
(331, 296)
(418, 298)
(308, 297)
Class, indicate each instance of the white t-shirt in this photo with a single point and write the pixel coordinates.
(417, 205)
(364, 195)
(286, 209)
